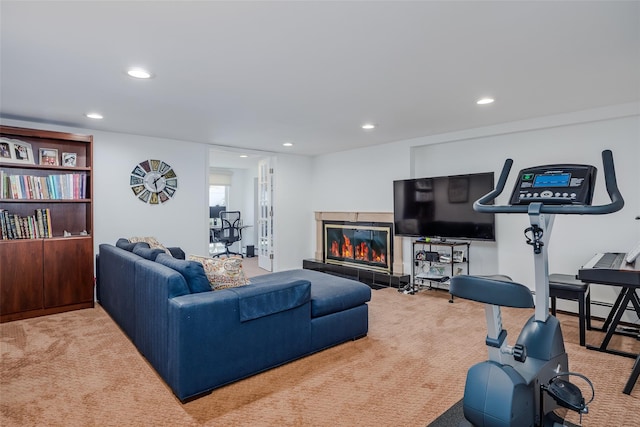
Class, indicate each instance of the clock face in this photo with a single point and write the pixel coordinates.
(153, 182)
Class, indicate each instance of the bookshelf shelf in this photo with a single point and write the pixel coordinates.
(44, 167)
(43, 271)
(45, 201)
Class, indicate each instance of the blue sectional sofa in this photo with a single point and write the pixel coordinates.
(198, 341)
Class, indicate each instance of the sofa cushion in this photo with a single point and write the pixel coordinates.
(151, 241)
(128, 246)
(192, 271)
(147, 253)
(223, 273)
(329, 294)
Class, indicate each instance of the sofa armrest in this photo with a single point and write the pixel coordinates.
(258, 301)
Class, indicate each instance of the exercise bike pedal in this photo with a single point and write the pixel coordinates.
(567, 395)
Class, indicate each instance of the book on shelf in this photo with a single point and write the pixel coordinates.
(36, 226)
(68, 186)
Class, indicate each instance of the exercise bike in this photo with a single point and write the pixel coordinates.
(528, 384)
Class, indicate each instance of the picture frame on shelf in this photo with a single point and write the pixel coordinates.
(18, 152)
(69, 159)
(5, 150)
(49, 157)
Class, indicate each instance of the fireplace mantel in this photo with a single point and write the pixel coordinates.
(359, 217)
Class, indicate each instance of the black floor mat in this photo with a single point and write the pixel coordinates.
(453, 417)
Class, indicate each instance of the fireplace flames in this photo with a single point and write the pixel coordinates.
(362, 251)
(344, 251)
(358, 246)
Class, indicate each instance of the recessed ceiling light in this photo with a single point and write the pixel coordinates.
(368, 126)
(139, 73)
(244, 156)
(96, 116)
(484, 101)
(288, 144)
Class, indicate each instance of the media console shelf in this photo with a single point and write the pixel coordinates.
(435, 262)
(375, 279)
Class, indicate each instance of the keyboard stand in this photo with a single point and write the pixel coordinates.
(612, 313)
(635, 372)
(627, 295)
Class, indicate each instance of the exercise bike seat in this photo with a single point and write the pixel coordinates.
(491, 290)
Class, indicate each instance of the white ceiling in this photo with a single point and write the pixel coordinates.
(256, 74)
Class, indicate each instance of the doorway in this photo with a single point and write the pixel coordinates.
(218, 196)
(234, 185)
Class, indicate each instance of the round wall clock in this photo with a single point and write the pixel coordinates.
(153, 182)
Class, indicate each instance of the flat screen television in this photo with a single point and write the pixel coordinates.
(442, 207)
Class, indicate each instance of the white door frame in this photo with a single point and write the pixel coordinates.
(265, 213)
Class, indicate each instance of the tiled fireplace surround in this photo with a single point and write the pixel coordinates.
(358, 217)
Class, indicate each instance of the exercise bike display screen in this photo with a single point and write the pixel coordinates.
(555, 184)
(559, 180)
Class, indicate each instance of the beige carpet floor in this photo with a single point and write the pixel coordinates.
(78, 369)
(251, 268)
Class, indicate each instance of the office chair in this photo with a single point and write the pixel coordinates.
(229, 233)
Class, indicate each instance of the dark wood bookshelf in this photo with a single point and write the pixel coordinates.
(47, 275)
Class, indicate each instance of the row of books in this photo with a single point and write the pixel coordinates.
(34, 226)
(52, 187)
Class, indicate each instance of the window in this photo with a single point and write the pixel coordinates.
(218, 195)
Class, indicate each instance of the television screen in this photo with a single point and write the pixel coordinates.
(442, 207)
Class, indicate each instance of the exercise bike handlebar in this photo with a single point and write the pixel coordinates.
(617, 202)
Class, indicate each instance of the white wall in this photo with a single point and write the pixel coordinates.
(359, 180)
(293, 213)
(339, 184)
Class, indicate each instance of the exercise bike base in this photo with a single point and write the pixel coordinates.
(497, 396)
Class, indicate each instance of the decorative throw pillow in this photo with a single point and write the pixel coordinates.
(222, 273)
(152, 242)
(192, 272)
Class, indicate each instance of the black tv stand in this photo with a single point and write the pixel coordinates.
(375, 279)
(451, 259)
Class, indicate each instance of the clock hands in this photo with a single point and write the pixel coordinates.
(155, 182)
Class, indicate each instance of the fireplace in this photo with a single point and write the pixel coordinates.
(366, 245)
(394, 252)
